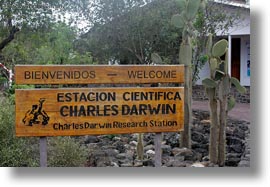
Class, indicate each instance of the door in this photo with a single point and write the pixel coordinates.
(236, 53)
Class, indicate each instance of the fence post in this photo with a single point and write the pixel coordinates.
(43, 151)
(158, 150)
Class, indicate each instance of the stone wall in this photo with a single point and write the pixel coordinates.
(198, 94)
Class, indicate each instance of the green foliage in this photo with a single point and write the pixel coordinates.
(15, 152)
(24, 152)
(220, 48)
(128, 32)
(185, 21)
(239, 88)
(3, 80)
(192, 9)
(181, 4)
(219, 75)
(213, 64)
(209, 83)
(178, 21)
(185, 54)
(156, 58)
(220, 102)
(209, 44)
(208, 21)
(66, 152)
(53, 46)
(231, 103)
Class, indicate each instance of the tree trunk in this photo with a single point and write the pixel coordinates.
(222, 132)
(185, 135)
(11, 36)
(224, 90)
(214, 129)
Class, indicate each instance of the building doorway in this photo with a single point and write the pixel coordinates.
(236, 57)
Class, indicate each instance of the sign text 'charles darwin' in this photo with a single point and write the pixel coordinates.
(55, 112)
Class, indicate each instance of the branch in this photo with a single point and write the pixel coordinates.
(11, 36)
(136, 55)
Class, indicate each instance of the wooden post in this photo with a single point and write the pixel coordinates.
(43, 151)
(158, 150)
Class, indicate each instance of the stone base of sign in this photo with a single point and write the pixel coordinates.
(120, 150)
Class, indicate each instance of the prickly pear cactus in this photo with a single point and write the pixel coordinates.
(184, 20)
(218, 91)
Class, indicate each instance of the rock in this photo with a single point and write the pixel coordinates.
(235, 148)
(177, 163)
(181, 151)
(244, 163)
(120, 146)
(150, 154)
(124, 139)
(120, 150)
(198, 137)
(98, 158)
(232, 159)
(172, 139)
(198, 165)
(179, 158)
(114, 164)
(149, 147)
(111, 152)
(90, 139)
(126, 165)
(116, 138)
(133, 143)
(138, 163)
(121, 156)
(205, 159)
(206, 121)
(234, 141)
(166, 149)
(149, 163)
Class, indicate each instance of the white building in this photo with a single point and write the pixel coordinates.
(239, 43)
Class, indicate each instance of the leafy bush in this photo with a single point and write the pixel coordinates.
(14, 151)
(24, 152)
(66, 152)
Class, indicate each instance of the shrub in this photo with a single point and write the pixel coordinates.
(66, 152)
(24, 152)
(14, 151)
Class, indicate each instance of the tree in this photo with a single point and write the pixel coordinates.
(130, 31)
(210, 21)
(54, 46)
(15, 15)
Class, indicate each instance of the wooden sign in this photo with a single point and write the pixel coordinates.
(60, 112)
(25, 74)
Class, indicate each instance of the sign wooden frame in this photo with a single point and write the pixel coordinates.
(33, 118)
(40, 112)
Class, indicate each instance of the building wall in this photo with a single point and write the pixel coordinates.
(245, 58)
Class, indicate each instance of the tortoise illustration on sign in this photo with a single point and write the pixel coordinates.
(36, 115)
